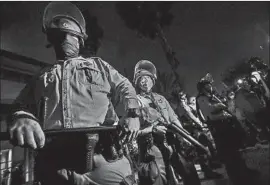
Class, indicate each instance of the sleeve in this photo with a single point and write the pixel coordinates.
(211, 107)
(191, 115)
(24, 104)
(211, 111)
(204, 107)
(172, 116)
(122, 87)
(111, 116)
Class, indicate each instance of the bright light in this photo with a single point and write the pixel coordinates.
(239, 81)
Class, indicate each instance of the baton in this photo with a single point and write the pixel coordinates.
(4, 136)
(175, 129)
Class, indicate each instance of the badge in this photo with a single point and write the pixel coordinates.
(51, 77)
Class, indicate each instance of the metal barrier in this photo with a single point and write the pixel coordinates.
(5, 166)
(28, 177)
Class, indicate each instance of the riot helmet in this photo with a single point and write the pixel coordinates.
(144, 67)
(206, 80)
(66, 17)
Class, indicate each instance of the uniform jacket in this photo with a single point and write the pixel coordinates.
(78, 92)
(211, 109)
(163, 106)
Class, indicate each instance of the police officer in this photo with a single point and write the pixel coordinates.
(223, 127)
(194, 126)
(157, 113)
(251, 109)
(77, 91)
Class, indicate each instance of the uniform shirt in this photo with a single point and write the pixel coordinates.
(211, 109)
(78, 92)
(163, 105)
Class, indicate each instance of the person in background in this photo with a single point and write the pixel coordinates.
(224, 128)
(153, 144)
(250, 108)
(193, 125)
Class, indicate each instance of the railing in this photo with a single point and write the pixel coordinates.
(5, 166)
(27, 172)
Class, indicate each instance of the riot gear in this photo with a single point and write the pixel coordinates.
(66, 17)
(207, 79)
(144, 67)
(94, 160)
(227, 133)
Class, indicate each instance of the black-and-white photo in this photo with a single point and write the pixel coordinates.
(134, 93)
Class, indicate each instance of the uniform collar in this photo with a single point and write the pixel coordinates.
(74, 58)
(146, 95)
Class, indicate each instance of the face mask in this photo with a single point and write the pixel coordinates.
(70, 47)
(65, 45)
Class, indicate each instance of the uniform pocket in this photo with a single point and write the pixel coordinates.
(88, 74)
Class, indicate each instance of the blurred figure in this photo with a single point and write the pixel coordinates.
(224, 128)
(250, 133)
(231, 102)
(251, 108)
(193, 125)
(259, 81)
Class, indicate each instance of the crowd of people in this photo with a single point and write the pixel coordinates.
(152, 143)
(235, 121)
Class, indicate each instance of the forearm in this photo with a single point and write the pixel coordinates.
(220, 116)
(194, 118)
(177, 123)
(172, 116)
(127, 93)
(21, 114)
(217, 106)
(122, 88)
(146, 130)
(24, 105)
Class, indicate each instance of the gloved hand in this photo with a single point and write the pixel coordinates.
(26, 132)
(131, 128)
(256, 75)
(160, 130)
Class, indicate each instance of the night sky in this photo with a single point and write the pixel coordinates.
(206, 36)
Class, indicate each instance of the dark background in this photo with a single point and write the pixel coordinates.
(206, 36)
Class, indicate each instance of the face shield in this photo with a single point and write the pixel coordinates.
(145, 83)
